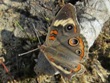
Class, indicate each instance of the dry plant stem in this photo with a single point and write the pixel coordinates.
(6, 69)
(36, 32)
(28, 52)
(50, 9)
(63, 80)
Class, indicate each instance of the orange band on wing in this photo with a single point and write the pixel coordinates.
(54, 32)
(75, 29)
(50, 58)
(51, 38)
(78, 68)
(81, 44)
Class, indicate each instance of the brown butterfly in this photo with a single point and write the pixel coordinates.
(65, 47)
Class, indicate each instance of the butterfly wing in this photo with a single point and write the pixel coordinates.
(65, 17)
(68, 63)
(39, 69)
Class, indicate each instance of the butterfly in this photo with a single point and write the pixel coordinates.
(65, 48)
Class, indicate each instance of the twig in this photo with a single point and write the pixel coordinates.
(6, 69)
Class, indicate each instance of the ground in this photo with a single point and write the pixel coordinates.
(19, 22)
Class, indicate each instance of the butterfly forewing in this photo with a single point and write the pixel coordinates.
(65, 17)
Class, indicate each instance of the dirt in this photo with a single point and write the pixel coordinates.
(21, 23)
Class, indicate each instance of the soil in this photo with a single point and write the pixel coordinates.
(23, 23)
